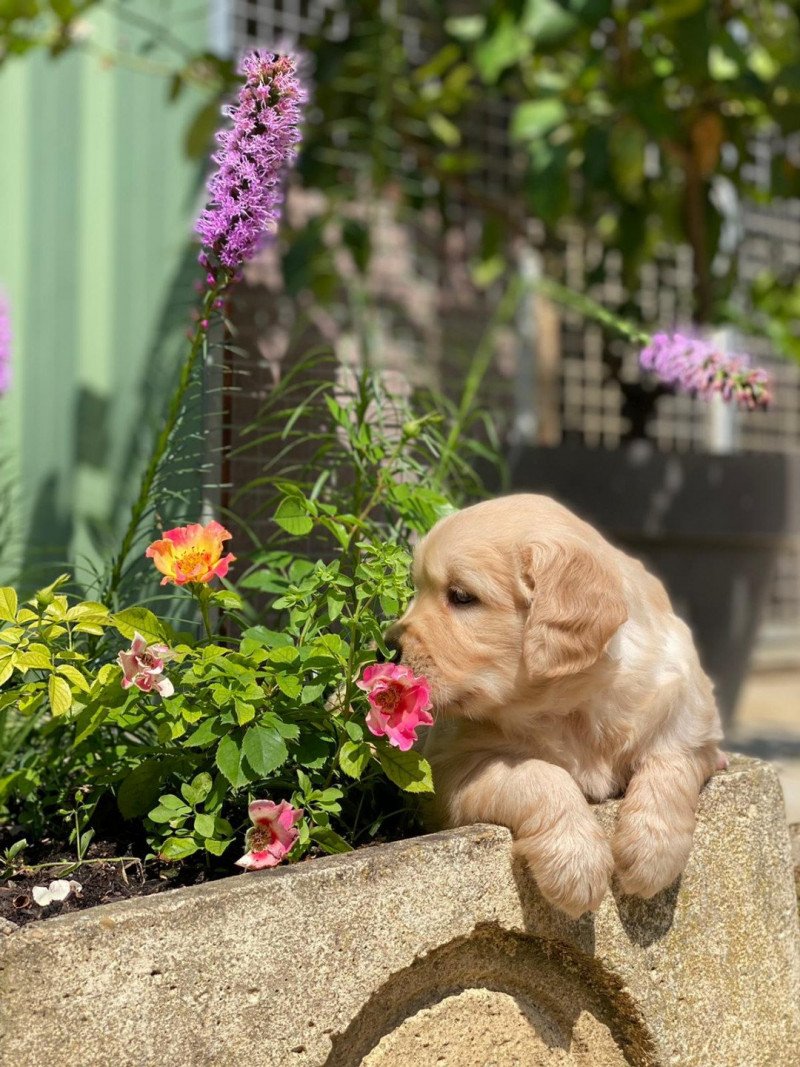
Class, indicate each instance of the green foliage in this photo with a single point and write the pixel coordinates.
(271, 706)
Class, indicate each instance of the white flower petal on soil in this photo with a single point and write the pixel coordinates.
(59, 889)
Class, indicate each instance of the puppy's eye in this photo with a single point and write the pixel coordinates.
(460, 598)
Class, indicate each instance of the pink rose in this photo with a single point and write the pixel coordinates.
(400, 703)
(143, 666)
(272, 834)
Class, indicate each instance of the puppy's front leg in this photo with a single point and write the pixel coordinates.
(654, 831)
(553, 826)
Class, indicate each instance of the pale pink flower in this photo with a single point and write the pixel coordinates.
(143, 666)
(400, 703)
(269, 840)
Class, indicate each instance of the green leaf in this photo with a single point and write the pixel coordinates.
(8, 604)
(204, 825)
(466, 27)
(311, 693)
(90, 719)
(60, 695)
(328, 840)
(178, 848)
(313, 750)
(139, 791)
(139, 620)
(353, 758)
(217, 847)
(264, 749)
(289, 684)
(244, 712)
(535, 118)
(292, 516)
(285, 654)
(229, 760)
(207, 732)
(408, 770)
(34, 658)
(73, 675)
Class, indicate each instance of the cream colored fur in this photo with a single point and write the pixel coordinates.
(569, 680)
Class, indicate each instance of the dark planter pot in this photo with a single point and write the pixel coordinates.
(709, 526)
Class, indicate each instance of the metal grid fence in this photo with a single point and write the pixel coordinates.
(423, 324)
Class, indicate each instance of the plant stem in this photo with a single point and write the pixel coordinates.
(202, 600)
(587, 307)
(478, 369)
(162, 442)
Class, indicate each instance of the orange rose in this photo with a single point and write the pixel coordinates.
(191, 554)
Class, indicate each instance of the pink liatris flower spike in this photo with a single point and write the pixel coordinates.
(399, 703)
(143, 666)
(272, 835)
(698, 367)
(254, 155)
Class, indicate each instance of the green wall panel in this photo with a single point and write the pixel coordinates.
(97, 200)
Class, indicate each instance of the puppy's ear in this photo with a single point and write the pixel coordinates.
(576, 606)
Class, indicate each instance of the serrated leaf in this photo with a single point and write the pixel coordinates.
(178, 848)
(264, 749)
(88, 609)
(6, 670)
(289, 684)
(292, 516)
(217, 847)
(34, 658)
(229, 761)
(353, 758)
(204, 825)
(60, 695)
(73, 675)
(244, 712)
(285, 654)
(311, 693)
(8, 604)
(408, 770)
(139, 620)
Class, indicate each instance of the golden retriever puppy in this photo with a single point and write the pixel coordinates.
(559, 675)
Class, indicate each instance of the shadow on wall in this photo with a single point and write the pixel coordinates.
(55, 516)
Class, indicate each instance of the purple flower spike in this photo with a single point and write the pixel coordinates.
(698, 367)
(254, 156)
(5, 344)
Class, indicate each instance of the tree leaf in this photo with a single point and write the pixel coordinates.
(60, 695)
(264, 749)
(408, 770)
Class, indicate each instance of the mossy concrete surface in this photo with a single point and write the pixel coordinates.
(437, 950)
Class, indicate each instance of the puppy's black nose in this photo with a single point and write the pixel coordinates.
(394, 651)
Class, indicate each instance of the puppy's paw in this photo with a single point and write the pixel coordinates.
(572, 866)
(649, 855)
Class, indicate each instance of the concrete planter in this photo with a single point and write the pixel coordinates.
(437, 950)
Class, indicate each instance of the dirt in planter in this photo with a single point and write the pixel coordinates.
(102, 881)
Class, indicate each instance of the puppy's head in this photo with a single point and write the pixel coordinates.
(511, 595)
